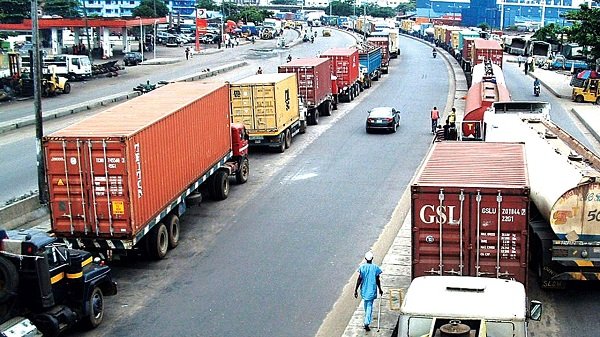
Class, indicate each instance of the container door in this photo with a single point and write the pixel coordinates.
(499, 251)
(68, 184)
(263, 97)
(241, 106)
(87, 181)
(109, 198)
(342, 67)
(440, 233)
(307, 85)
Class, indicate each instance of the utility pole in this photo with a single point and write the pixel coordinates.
(87, 31)
(37, 102)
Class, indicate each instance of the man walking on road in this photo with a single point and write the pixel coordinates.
(368, 281)
(187, 53)
(435, 115)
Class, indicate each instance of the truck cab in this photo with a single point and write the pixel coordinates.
(474, 306)
(589, 92)
(53, 286)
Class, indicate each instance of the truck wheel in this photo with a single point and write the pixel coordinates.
(173, 230)
(357, 89)
(579, 99)
(242, 174)
(281, 148)
(221, 185)
(325, 108)
(67, 88)
(158, 241)
(9, 279)
(598, 101)
(288, 138)
(95, 308)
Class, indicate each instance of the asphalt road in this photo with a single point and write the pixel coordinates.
(273, 258)
(18, 172)
(566, 312)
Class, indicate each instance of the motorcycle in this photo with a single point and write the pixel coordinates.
(289, 58)
(434, 54)
(536, 90)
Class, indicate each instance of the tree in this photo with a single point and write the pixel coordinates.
(483, 26)
(549, 33)
(64, 8)
(410, 6)
(250, 14)
(146, 9)
(14, 11)
(284, 2)
(586, 29)
(209, 5)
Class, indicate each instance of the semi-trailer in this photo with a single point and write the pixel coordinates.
(120, 180)
(314, 85)
(393, 42)
(345, 73)
(486, 50)
(370, 57)
(269, 107)
(384, 44)
(565, 189)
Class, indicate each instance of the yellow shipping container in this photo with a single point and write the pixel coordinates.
(455, 37)
(267, 104)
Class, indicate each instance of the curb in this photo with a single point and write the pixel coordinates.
(589, 128)
(85, 106)
(14, 215)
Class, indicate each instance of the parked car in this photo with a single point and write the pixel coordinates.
(383, 118)
(162, 37)
(326, 32)
(209, 38)
(132, 58)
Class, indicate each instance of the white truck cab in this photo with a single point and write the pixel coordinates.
(470, 306)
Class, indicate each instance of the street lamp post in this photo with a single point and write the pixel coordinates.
(141, 39)
(154, 39)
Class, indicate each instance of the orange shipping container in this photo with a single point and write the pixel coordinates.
(117, 173)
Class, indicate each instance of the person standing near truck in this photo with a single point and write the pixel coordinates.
(435, 115)
(368, 281)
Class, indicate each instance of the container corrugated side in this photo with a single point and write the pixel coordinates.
(265, 108)
(314, 79)
(470, 208)
(113, 186)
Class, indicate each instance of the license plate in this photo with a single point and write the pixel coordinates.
(256, 137)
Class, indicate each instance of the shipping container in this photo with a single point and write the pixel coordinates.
(448, 37)
(486, 49)
(463, 35)
(314, 85)
(268, 105)
(116, 175)
(384, 44)
(470, 207)
(466, 53)
(345, 73)
(370, 64)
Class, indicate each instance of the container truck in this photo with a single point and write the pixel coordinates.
(466, 306)
(345, 73)
(466, 51)
(268, 105)
(384, 44)
(393, 42)
(539, 50)
(463, 35)
(486, 49)
(119, 180)
(565, 185)
(471, 222)
(518, 45)
(314, 85)
(369, 57)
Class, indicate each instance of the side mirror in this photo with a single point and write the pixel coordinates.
(535, 310)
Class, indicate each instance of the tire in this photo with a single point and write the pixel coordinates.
(281, 148)
(220, 185)
(241, 176)
(95, 308)
(314, 118)
(173, 231)
(357, 89)
(288, 138)
(368, 130)
(579, 99)
(325, 108)
(158, 241)
(598, 101)
(9, 279)
(67, 88)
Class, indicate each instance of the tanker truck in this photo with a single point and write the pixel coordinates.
(564, 222)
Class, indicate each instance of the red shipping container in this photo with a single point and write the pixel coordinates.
(462, 192)
(344, 66)
(467, 47)
(314, 79)
(384, 43)
(113, 175)
(486, 49)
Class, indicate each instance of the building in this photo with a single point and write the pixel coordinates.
(502, 13)
(123, 8)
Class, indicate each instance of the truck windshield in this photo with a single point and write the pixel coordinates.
(420, 326)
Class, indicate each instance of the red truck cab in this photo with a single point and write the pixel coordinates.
(239, 140)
